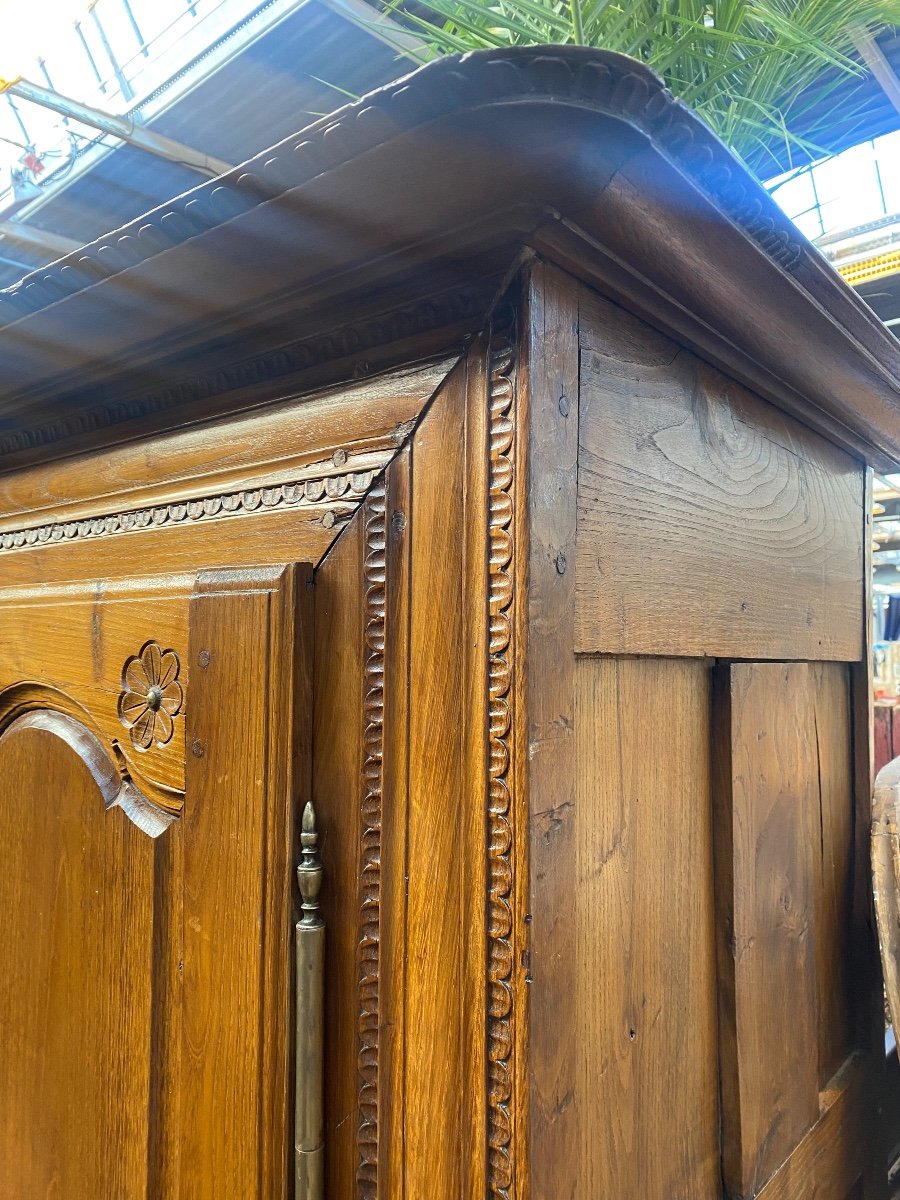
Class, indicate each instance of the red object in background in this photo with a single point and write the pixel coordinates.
(887, 734)
(32, 163)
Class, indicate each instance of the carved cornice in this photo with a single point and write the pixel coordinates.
(331, 489)
(368, 951)
(500, 870)
(448, 309)
(608, 83)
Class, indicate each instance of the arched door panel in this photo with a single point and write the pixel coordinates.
(148, 789)
(76, 978)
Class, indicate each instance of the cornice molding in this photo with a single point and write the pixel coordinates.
(609, 84)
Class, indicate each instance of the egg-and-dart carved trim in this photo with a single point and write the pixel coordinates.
(305, 492)
(369, 943)
(501, 564)
(608, 83)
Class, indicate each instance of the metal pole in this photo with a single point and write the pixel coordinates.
(125, 87)
(142, 45)
(90, 57)
(309, 1124)
(121, 127)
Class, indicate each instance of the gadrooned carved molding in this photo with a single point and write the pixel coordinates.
(501, 549)
(151, 696)
(305, 492)
(369, 946)
(611, 84)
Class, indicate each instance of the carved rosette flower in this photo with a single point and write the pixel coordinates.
(151, 695)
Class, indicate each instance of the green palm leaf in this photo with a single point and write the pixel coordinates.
(747, 66)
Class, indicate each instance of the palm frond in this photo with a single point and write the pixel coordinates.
(749, 67)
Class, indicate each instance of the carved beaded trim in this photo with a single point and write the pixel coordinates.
(368, 951)
(304, 492)
(500, 922)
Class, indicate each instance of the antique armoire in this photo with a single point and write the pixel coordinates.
(488, 464)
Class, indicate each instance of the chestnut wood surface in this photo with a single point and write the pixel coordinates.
(337, 771)
(509, 732)
(66, 648)
(709, 523)
(647, 1075)
(432, 1092)
(146, 983)
(552, 432)
(76, 976)
(766, 837)
(834, 932)
(282, 442)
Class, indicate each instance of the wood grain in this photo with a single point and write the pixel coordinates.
(833, 880)
(434, 1068)
(645, 934)
(767, 832)
(337, 770)
(831, 1159)
(708, 523)
(242, 774)
(75, 641)
(551, 372)
(76, 980)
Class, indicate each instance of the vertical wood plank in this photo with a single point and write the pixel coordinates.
(242, 775)
(552, 416)
(830, 694)
(646, 992)
(766, 835)
(337, 769)
(434, 1002)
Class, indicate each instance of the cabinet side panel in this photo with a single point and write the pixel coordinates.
(709, 523)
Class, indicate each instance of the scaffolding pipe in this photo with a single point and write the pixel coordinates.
(38, 239)
(120, 127)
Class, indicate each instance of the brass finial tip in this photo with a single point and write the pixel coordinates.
(309, 818)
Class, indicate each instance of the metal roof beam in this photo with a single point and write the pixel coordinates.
(38, 239)
(125, 128)
(873, 56)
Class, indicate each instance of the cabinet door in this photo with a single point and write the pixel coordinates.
(152, 746)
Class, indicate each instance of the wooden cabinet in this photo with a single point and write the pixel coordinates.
(524, 531)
